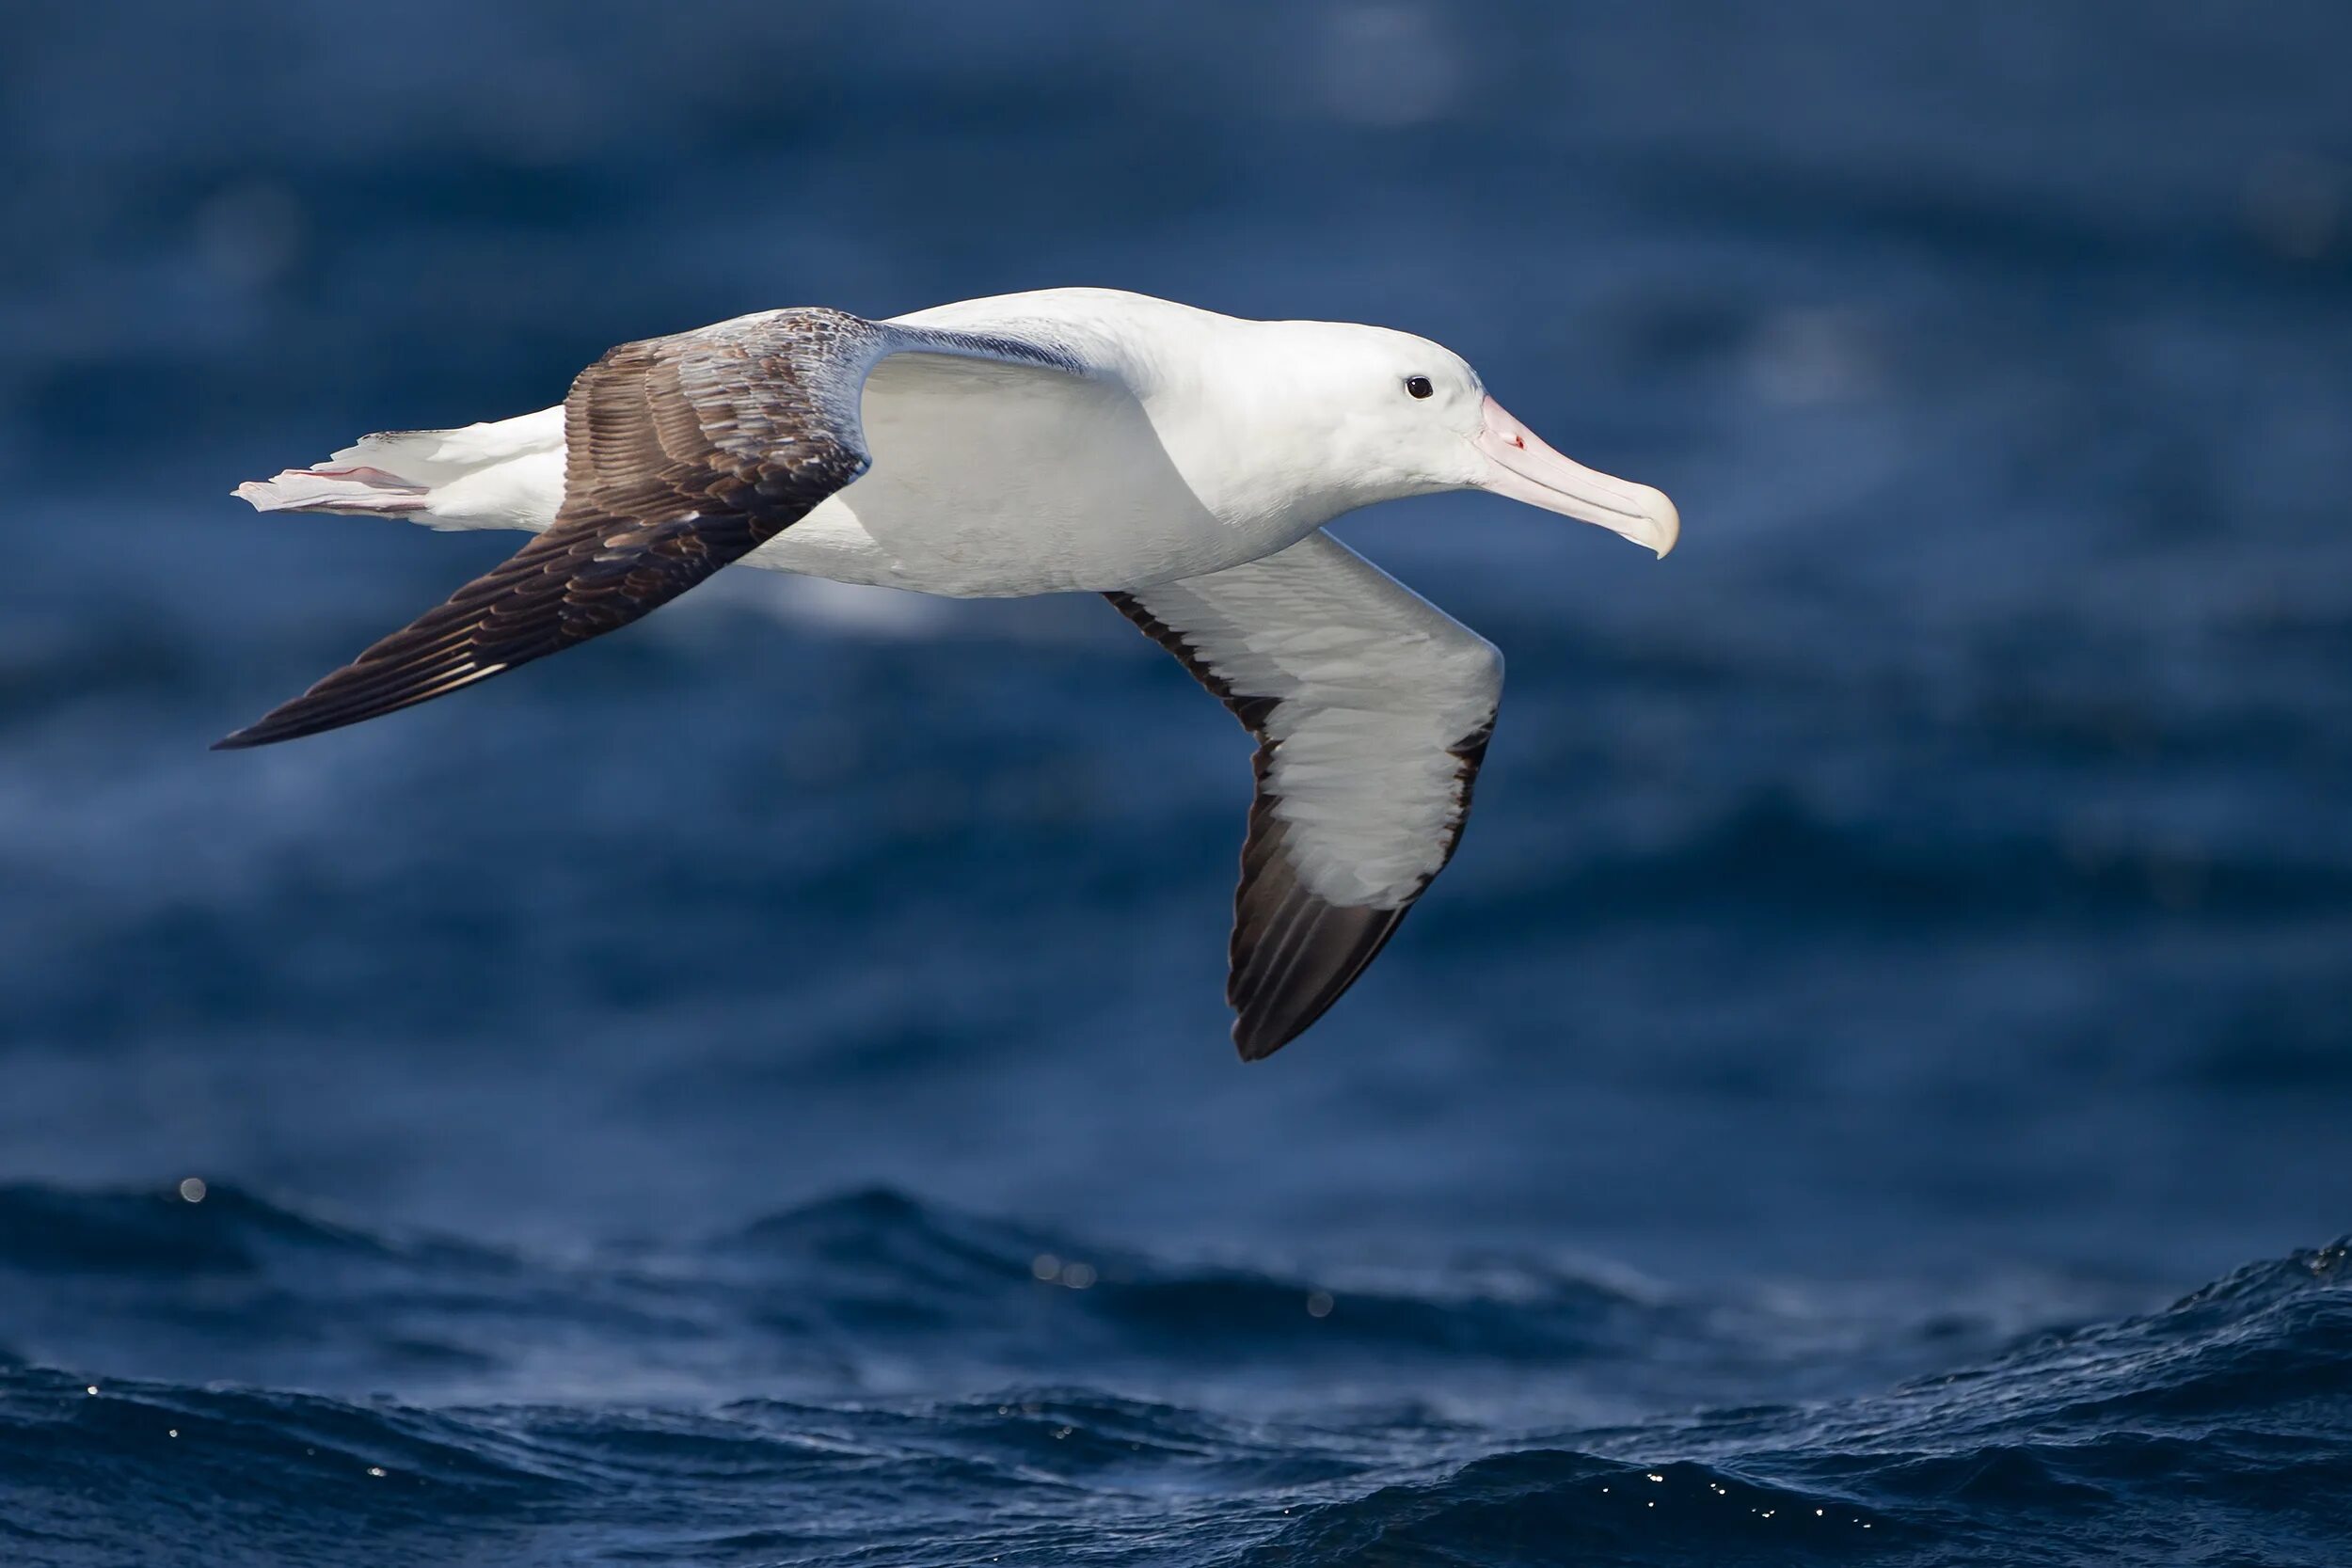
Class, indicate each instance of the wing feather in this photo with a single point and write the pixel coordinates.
(682, 455)
(1372, 711)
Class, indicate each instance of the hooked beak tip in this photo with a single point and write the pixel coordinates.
(1664, 519)
(1526, 470)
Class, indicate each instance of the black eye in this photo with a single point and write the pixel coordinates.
(1417, 385)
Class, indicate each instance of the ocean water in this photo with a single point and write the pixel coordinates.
(1871, 1088)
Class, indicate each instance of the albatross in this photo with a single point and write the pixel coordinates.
(1181, 462)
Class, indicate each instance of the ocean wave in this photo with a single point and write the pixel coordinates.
(801, 1419)
(870, 1292)
(2219, 1418)
(884, 1256)
(2270, 1339)
(224, 1230)
(1545, 1505)
(878, 1292)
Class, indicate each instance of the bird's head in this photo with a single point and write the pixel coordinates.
(1402, 416)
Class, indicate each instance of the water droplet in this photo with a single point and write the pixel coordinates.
(1319, 1304)
(1045, 1266)
(193, 1189)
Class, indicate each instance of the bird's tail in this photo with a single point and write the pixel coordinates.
(505, 474)
(391, 472)
(335, 487)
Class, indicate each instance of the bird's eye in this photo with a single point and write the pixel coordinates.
(1419, 386)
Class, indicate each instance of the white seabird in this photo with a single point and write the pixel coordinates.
(1179, 461)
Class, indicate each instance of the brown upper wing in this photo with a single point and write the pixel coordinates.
(681, 455)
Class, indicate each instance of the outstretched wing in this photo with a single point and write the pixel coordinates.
(681, 455)
(1372, 711)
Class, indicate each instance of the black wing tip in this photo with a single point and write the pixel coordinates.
(1267, 1021)
(272, 727)
(297, 720)
(293, 721)
(1256, 1038)
(1259, 1033)
(1262, 1027)
(268, 731)
(330, 705)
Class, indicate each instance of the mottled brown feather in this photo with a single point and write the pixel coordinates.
(682, 455)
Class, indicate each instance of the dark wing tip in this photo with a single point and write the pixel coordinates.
(1256, 1038)
(268, 730)
(355, 692)
(1296, 964)
(281, 724)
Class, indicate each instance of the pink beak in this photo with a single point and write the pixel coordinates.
(1528, 470)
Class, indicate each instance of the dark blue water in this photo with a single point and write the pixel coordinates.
(1873, 1086)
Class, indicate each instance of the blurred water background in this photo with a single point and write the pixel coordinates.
(755, 1091)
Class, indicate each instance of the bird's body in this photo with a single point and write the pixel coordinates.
(989, 480)
(1180, 462)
